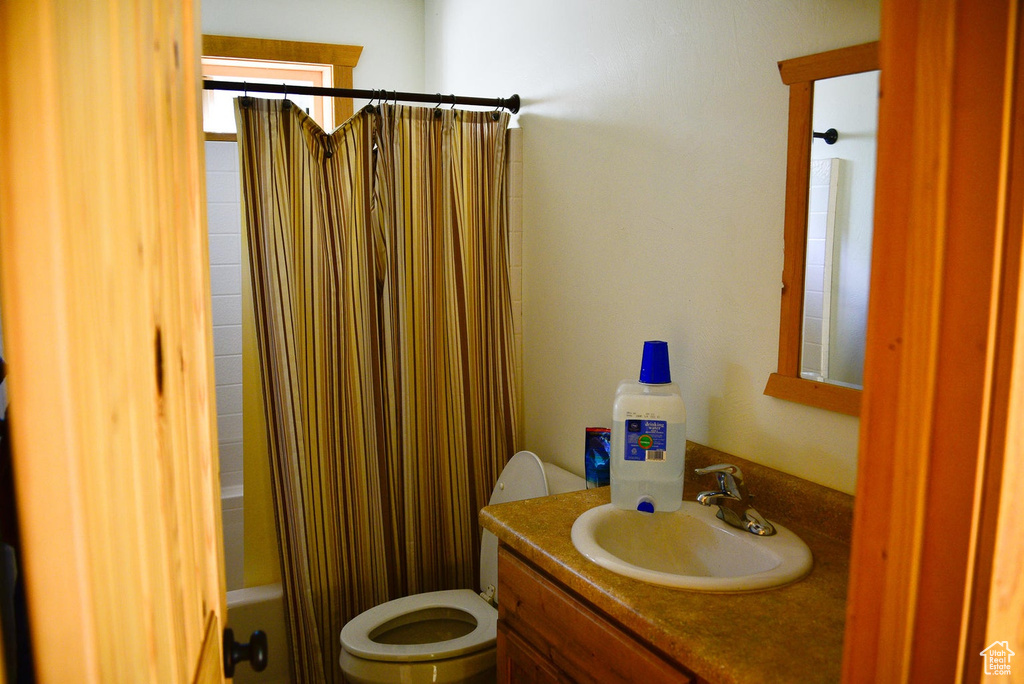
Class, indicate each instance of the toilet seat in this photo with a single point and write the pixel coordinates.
(470, 658)
(355, 635)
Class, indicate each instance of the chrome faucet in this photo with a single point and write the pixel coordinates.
(733, 501)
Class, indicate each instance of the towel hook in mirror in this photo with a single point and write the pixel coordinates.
(830, 136)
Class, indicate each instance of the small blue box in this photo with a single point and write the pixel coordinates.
(597, 456)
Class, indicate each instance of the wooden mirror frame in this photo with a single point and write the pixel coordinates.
(800, 74)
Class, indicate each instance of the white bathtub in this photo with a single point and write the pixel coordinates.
(262, 608)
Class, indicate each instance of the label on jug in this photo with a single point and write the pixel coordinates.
(645, 440)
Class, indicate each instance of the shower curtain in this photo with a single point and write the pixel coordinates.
(379, 264)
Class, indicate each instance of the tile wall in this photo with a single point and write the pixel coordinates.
(515, 232)
(224, 223)
(814, 361)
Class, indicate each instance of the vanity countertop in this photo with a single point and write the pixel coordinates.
(791, 633)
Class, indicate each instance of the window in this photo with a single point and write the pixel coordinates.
(218, 105)
(255, 60)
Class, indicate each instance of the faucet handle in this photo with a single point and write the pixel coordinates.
(733, 501)
(730, 478)
(728, 468)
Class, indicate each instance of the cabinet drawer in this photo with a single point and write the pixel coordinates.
(569, 634)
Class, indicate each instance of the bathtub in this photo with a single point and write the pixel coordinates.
(262, 608)
(233, 526)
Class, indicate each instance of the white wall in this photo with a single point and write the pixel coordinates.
(390, 31)
(654, 173)
(654, 158)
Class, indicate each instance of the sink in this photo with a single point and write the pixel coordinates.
(689, 549)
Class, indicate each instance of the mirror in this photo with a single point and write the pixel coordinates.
(824, 367)
(841, 200)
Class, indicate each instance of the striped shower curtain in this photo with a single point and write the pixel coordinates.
(379, 268)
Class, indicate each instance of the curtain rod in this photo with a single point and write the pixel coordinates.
(511, 103)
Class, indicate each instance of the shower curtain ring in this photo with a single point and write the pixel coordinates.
(453, 101)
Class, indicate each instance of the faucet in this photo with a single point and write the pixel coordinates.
(733, 501)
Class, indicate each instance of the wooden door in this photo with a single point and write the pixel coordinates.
(941, 420)
(106, 314)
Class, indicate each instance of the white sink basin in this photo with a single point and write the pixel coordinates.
(689, 549)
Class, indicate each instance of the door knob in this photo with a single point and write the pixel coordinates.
(255, 652)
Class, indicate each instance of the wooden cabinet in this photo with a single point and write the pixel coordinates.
(546, 634)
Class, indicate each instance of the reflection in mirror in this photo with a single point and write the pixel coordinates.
(840, 331)
(840, 204)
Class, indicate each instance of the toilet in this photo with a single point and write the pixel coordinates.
(446, 636)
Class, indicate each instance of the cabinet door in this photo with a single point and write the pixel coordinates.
(567, 635)
(518, 663)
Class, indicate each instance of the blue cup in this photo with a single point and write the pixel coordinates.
(654, 369)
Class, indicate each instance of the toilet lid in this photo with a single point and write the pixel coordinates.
(521, 478)
(355, 635)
